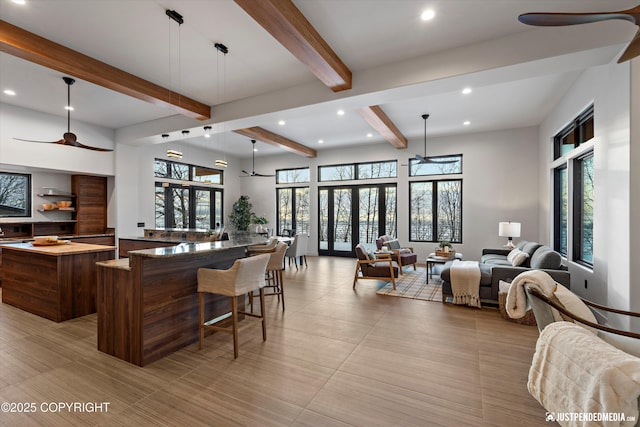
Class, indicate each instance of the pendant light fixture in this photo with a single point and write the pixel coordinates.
(222, 50)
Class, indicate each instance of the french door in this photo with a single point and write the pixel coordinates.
(354, 214)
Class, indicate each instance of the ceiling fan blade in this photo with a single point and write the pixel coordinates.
(88, 147)
(560, 19)
(60, 141)
(262, 175)
(632, 50)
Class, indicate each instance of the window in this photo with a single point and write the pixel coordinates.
(185, 205)
(583, 210)
(185, 172)
(422, 169)
(15, 195)
(355, 171)
(561, 209)
(435, 211)
(576, 133)
(292, 176)
(293, 210)
(179, 206)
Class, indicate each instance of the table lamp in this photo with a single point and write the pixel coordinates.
(509, 230)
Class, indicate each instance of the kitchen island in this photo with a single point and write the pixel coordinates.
(57, 282)
(148, 303)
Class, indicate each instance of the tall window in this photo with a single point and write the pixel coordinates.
(186, 197)
(15, 195)
(435, 211)
(292, 202)
(293, 210)
(583, 209)
(561, 209)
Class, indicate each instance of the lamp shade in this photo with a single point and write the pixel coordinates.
(509, 229)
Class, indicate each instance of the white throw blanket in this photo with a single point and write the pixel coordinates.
(465, 282)
(517, 304)
(574, 371)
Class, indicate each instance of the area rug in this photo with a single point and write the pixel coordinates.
(413, 284)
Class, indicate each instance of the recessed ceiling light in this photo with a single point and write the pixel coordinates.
(427, 15)
(320, 141)
(282, 123)
(369, 135)
(68, 107)
(9, 92)
(20, 2)
(341, 112)
(466, 90)
(466, 123)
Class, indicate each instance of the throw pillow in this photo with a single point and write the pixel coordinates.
(393, 244)
(516, 257)
(574, 304)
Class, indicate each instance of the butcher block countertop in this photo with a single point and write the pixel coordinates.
(60, 249)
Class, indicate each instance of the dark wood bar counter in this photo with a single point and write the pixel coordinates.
(56, 282)
(148, 303)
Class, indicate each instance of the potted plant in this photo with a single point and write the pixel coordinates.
(241, 214)
(259, 221)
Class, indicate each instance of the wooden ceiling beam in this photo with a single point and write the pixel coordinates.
(378, 120)
(23, 44)
(284, 21)
(269, 137)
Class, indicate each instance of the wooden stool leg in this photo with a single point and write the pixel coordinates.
(234, 317)
(201, 324)
(264, 326)
(281, 280)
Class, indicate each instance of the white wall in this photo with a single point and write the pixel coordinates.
(634, 192)
(500, 182)
(16, 122)
(607, 87)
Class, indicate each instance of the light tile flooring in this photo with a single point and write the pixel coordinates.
(336, 357)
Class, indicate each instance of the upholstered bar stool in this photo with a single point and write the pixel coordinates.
(244, 276)
(264, 248)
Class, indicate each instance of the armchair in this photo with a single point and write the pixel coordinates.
(401, 255)
(367, 268)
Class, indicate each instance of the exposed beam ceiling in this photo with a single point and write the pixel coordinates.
(278, 140)
(284, 21)
(23, 44)
(383, 125)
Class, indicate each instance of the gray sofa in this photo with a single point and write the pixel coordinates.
(495, 267)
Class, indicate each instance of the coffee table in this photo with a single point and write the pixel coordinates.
(432, 260)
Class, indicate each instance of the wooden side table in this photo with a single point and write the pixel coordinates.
(432, 260)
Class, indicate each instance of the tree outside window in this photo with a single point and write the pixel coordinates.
(436, 211)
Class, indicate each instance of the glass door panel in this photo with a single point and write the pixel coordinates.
(342, 220)
(390, 199)
(368, 218)
(323, 215)
(180, 207)
(203, 209)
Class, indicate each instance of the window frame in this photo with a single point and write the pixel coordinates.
(557, 206)
(583, 129)
(579, 210)
(355, 168)
(278, 182)
(294, 201)
(412, 160)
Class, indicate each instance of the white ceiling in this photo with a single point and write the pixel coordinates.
(370, 36)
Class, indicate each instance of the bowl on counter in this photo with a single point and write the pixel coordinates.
(64, 203)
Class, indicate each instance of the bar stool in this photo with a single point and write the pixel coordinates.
(262, 248)
(244, 276)
(273, 276)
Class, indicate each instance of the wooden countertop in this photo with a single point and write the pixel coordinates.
(57, 250)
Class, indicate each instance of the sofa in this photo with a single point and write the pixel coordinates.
(496, 267)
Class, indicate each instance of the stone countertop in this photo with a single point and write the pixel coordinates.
(189, 248)
(61, 249)
(61, 236)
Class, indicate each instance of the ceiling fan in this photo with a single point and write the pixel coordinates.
(253, 163)
(68, 138)
(559, 19)
(420, 160)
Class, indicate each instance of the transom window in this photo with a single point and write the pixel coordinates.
(186, 172)
(438, 166)
(356, 171)
(292, 176)
(573, 135)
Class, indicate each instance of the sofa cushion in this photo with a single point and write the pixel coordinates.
(494, 259)
(546, 258)
(393, 244)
